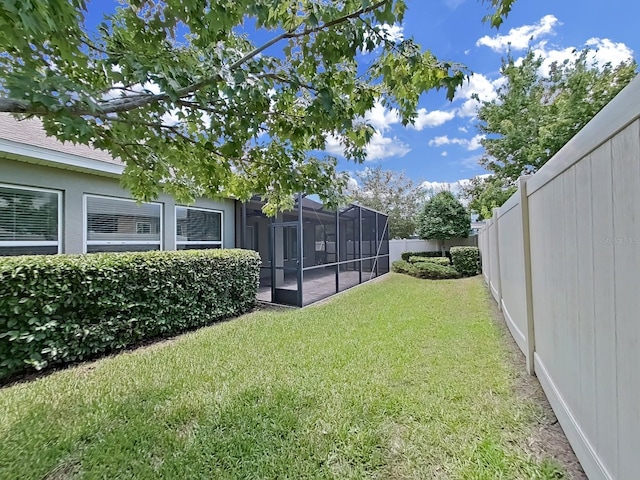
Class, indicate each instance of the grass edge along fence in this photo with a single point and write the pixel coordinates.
(65, 308)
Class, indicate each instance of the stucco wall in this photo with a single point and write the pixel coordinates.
(74, 185)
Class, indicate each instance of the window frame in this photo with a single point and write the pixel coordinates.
(85, 224)
(219, 243)
(38, 243)
(145, 225)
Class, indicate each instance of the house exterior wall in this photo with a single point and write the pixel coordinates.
(74, 185)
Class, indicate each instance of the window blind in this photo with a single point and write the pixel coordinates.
(198, 227)
(113, 221)
(28, 215)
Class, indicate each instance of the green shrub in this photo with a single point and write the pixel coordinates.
(434, 271)
(407, 255)
(429, 270)
(466, 260)
(439, 260)
(64, 308)
(402, 266)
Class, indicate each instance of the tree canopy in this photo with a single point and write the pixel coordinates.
(392, 193)
(183, 93)
(487, 193)
(443, 216)
(536, 112)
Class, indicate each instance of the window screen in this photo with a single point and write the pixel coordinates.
(29, 221)
(115, 224)
(198, 228)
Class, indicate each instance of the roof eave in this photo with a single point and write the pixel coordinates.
(43, 156)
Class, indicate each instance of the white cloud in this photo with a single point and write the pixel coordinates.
(352, 184)
(519, 38)
(463, 129)
(468, 143)
(453, 4)
(474, 143)
(605, 50)
(453, 187)
(379, 147)
(602, 51)
(381, 118)
(170, 118)
(118, 92)
(480, 85)
(444, 153)
(393, 33)
(434, 118)
(477, 84)
(437, 186)
(437, 141)
(151, 87)
(333, 146)
(469, 108)
(383, 147)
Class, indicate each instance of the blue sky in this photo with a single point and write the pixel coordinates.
(444, 147)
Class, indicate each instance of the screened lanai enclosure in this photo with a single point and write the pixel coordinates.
(339, 249)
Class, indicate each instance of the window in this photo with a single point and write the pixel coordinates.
(121, 225)
(143, 227)
(29, 221)
(198, 228)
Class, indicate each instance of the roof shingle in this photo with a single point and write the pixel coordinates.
(31, 132)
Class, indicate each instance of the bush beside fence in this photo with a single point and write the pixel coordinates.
(437, 260)
(466, 260)
(428, 270)
(66, 308)
(407, 255)
(466, 263)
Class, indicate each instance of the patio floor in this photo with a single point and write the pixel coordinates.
(317, 284)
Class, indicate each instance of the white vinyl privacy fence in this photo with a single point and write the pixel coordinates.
(398, 247)
(562, 259)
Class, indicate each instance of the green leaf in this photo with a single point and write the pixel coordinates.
(215, 112)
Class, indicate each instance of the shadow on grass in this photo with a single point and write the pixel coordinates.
(258, 433)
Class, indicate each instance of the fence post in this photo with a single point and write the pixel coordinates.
(485, 254)
(526, 241)
(496, 211)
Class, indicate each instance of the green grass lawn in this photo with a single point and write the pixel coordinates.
(401, 378)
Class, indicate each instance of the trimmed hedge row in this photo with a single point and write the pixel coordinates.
(466, 260)
(407, 255)
(444, 261)
(428, 270)
(64, 308)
